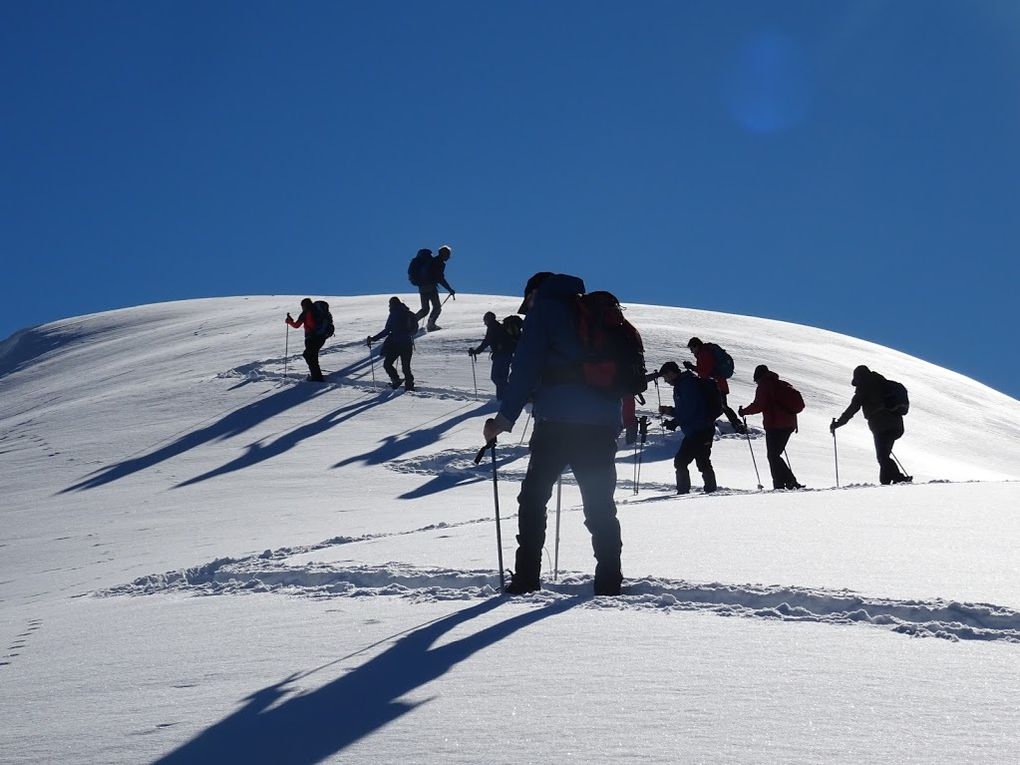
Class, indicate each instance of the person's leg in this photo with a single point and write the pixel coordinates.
(548, 459)
(500, 372)
(592, 459)
(735, 422)
(775, 444)
(311, 355)
(437, 308)
(390, 354)
(424, 310)
(405, 364)
(702, 450)
(683, 458)
(887, 471)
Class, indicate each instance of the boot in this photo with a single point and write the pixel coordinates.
(526, 575)
(683, 481)
(710, 484)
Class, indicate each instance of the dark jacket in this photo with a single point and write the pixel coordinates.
(870, 396)
(436, 275)
(398, 330)
(689, 408)
(496, 339)
(766, 401)
(549, 340)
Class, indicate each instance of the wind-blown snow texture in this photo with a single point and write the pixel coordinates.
(343, 543)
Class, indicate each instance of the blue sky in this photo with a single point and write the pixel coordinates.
(847, 165)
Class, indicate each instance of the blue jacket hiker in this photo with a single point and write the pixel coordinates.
(502, 349)
(575, 425)
(692, 414)
(400, 330)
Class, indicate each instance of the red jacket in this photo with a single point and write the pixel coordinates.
(307, 318)
(766, 401)
(705, 367)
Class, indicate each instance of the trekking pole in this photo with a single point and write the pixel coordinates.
(474, 377)
(556, 552)
(495, 500)
(643, 432)
(835, 454)
(524, 433)
(286, 354)
(753, 460)
(371, 361)
(898, 463)
(448, 296)
(658, 395)
(788, 463)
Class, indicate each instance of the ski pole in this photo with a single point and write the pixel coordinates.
(658, 395)
(753, 460)
(524, 433)
(448, 296)
(788, 463)
(286, 353)
(556, 553)
(495, 500)
(371, 361)
(474, 377)
(835, 453)
(898, 463)
(643, 432)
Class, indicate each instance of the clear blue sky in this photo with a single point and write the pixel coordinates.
(847, 165)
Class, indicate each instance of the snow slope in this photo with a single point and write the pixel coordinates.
(343, 542)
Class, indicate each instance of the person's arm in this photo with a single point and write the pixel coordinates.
(486, 343)
(854, 408)
(295, 324)
(755, 407)
(441, 278)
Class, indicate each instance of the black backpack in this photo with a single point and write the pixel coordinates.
(895, 398)
(419, 267)
(412, 320)
(614, 354)
(723, 361)
(513, 325)
(323, 319)
(713, 398)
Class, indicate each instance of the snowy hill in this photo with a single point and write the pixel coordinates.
(152, 454)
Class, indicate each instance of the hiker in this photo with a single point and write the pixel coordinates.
(576, 424)
(318, 324)
(694, 413)
(707, 365)
(501, 342)
(886, 425)
(400, 329)
(427, 273)
(779, 403)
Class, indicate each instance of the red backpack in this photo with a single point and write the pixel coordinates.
(788, 397)
(614, 354)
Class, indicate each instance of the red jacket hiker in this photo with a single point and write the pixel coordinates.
(766, 402)
(307, 318)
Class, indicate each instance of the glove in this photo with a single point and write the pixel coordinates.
(833, 426)
(288, 319)
(688, 365)
(630, 436)
(472, 352)
(740, 411)
(669, 424)
(368, 341)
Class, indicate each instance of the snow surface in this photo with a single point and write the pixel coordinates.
(203, 561)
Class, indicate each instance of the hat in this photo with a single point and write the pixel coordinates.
(444, 250)
(760, 371)
(306, 303)
(531, 286)
(859, 374)
(669, 366)
(489, 315)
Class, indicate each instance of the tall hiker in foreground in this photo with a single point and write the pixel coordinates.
(427, 272)
(779, 403)
(401, 327)
(696, 404)
(577, 357)
(713, 362)
(884, 403)
(318, 323)
(501, 340)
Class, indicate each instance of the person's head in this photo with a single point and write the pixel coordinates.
(489, 317)
(859, 374)
(394, 301)
(669, 371)
(531, 288)
(306, 304)
(760, 371)
(694, 344)
(444, 252)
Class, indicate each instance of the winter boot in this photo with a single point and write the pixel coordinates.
(396, 382)
(710, 484)
(683, 481)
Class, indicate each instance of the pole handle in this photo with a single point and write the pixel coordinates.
(481, 452)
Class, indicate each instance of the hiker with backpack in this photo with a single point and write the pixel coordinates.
(696, 404)
(401, 327)
(884, 403)
(576, 381)
(427, 272)
(712, 361)
(779, 403)
(501, 340)
(318, 323)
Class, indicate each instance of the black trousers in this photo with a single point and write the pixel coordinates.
(313, 345)
(888, 471)
(590, 451)
(430, 296)
(776, 440)
(696, 448)
(390, 353)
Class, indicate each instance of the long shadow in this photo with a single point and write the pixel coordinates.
(260, 452)
(394, 447)
(448, 480)
(309, 728)
(233, 424)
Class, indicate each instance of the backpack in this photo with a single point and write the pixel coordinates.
(723, 361)
(513, 325)
(411, 319)
(894, 396)
(713, 398)
(789, 398)
(419, 267)
(323, 319)
(614, 359)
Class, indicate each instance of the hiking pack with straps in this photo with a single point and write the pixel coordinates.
(411, 318)
(789, 398)
(713, 398)
(723, 361)
(323, 319)
(419, 267)
(895, 397)
(614, 360)
(513, 325)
